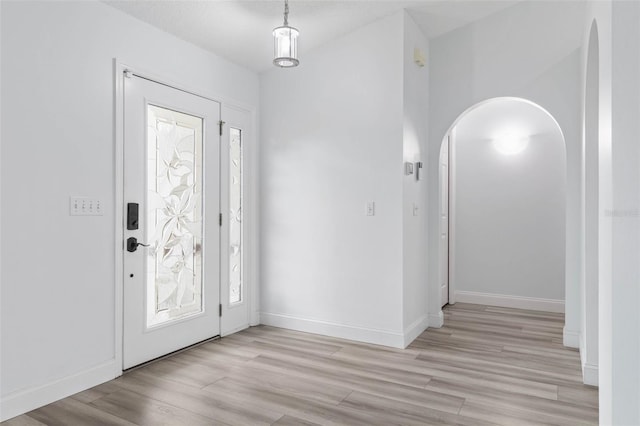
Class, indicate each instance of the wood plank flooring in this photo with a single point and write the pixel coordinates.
(486, 366)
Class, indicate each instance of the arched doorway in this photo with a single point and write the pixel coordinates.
(503, 214)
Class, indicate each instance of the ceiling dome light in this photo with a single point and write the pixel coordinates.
(510, 143)
(285, 43)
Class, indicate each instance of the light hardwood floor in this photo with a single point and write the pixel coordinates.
(487, 365)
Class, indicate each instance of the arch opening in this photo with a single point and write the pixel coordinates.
(502, 203)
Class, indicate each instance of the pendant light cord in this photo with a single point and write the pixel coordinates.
(286, 13)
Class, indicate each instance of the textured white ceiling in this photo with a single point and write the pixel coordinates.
(240, 30)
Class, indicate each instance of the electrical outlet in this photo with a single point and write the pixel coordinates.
(371, 208)
(83, 206)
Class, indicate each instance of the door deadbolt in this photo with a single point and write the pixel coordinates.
(132, 216)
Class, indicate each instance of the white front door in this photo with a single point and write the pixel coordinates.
(172, 231)
(444, 224)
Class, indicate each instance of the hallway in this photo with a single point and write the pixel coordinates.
(487, 365)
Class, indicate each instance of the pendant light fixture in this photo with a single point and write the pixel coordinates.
(285, 43)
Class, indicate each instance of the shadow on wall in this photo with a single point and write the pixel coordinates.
(506, 207)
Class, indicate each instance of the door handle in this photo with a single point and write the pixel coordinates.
(132, 244)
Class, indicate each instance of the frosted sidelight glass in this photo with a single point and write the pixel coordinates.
(235, 216)
(174, 215)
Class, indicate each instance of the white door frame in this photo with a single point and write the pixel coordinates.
(451, 176)
(443, 182)
(250, 196)
(235, 317)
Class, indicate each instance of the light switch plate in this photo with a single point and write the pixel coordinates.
(408, 169)
(415, 209)
(84, 206)
(371, 208)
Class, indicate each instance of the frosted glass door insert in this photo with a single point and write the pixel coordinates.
(174, 215)
(171, 206)
(235, 216)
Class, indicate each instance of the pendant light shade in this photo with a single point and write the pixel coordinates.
(285, 43)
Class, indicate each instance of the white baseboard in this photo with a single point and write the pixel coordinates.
(519, 302)
(590, 374)
(589, 370)
(571, 338)
(254, 318)
(436, 320)
(20, 402)
(326, 328)
(415, 329)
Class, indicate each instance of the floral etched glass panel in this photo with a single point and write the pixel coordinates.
(174, 215)
(235, 216)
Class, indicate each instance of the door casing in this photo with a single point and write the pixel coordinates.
(142, 342)
(250, 196)
(444, 221)
(450, 252)
(235, 317)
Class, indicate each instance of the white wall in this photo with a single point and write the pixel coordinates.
(618, 48)
(510, 209)
(625, 290)
(58, 140)
(335, 134)
(592, 216)
(528, 50)
(331, 140)
(414, 225)
(600, 13)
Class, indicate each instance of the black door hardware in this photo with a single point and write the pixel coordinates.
(132, 244)
(132, 216)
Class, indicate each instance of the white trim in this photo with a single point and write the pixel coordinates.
(589, 370)
(570, 338)
(436, 320)
(519, 302)
(23, 401)
(590, 374)
(238, 316)
(452, 217)
(197, 91)
(361, 334)
(415, 329)
(253, 269)
(442, 253)
(118, 205)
